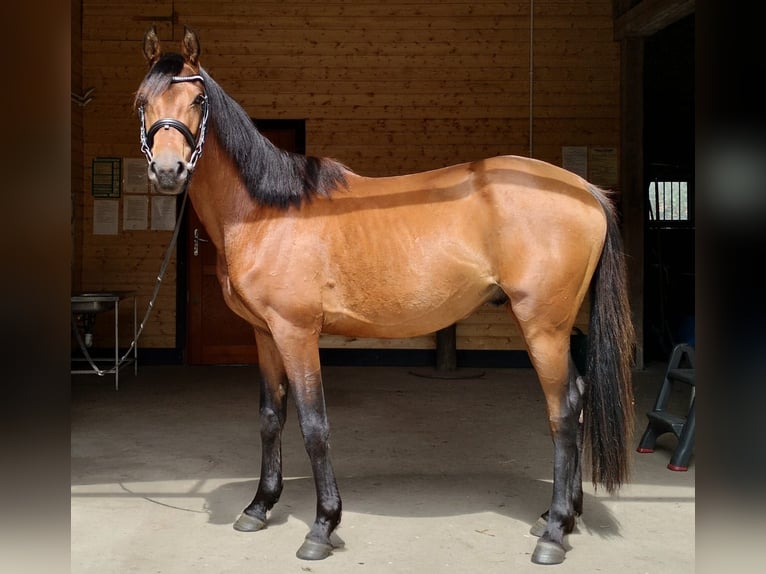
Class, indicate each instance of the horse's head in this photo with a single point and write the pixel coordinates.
(172, 95)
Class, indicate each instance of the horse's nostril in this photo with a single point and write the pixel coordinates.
(153, 167)
(181, 168)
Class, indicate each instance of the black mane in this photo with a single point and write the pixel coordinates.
(272, 176)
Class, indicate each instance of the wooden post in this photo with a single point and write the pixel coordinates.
(446, 349)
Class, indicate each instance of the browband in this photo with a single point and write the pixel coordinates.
(195, 78)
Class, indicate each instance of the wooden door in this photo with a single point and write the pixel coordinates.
(215, 335)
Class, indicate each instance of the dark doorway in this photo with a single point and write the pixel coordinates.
(669, 176)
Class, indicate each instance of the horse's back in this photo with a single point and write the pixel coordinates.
(495, 206)
(495, 181)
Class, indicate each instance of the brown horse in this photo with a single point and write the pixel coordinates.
(305, 246)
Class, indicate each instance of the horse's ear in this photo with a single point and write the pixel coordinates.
(152, 49)
(190, 47)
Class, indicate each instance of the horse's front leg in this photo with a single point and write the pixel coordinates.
(301, 358)
(273, 412)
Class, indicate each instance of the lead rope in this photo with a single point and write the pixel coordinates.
(158, 283)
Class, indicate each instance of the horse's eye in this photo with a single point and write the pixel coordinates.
(198, 100)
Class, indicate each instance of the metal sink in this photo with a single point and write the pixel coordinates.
(94, 302)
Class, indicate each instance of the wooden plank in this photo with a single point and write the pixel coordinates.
(279, 23)
(379, 59)
(355, 10)
(130, 71)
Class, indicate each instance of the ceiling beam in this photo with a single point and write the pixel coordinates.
(650, 16)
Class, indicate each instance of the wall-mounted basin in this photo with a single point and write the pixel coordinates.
(94, 302)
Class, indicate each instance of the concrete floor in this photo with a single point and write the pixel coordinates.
(435, 475)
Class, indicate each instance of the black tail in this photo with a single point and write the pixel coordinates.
(608, 402)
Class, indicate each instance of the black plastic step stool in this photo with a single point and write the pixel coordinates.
(680, 370)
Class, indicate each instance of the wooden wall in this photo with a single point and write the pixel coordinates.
(385, 87)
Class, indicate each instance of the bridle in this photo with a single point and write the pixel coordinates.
(147, 136)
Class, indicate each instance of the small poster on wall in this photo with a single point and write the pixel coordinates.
(574, 158)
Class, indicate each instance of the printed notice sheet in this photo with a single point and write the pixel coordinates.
(604, 166)
(135, 212)
(106, 216)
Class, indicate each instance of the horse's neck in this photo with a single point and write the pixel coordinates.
(217, 192)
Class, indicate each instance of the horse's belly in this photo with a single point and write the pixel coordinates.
(354, 326)
(418, 313)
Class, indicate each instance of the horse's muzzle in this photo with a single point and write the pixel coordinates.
(168, 177)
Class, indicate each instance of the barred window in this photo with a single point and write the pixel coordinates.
(669, 202)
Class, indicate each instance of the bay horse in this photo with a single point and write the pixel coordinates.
(306, 246)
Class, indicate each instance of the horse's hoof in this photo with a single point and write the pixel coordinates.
(247, 523)
(548, 553)
(538, 528)
(311, 550)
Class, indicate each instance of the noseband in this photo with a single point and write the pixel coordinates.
(147, 136)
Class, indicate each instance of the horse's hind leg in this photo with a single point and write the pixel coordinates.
(273, 414)
(576, 386)
(549, 352)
